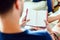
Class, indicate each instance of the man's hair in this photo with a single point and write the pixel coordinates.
(6, 5)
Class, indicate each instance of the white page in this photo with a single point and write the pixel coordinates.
(32, 16)
(37, 18)
(41, 16)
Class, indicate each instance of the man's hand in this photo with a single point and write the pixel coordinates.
(24, 21)
(50, 30)
(36, 28)
(48, 27)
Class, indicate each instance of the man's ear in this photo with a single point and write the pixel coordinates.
(17, 4)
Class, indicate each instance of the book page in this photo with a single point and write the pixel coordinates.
(32, 16)
(37, 18)
(41, 16)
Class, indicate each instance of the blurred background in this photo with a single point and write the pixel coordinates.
(37, 6)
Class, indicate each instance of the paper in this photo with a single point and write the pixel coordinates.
(37, 18)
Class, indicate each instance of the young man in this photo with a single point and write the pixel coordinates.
(10, 12)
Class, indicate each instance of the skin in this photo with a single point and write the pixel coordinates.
(53, 18)
(10, 20)
(52, 4)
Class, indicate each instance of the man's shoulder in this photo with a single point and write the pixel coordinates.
(27, 35)
(29, 32)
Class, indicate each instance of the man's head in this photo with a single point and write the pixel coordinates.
(11, 11)
(8, 6)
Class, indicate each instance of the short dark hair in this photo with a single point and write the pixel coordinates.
(6, 5)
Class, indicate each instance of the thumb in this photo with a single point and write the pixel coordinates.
(48, 27)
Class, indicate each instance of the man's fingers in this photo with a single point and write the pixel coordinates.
(24, 19)
(24, 22)
(46, 22)
(48, 27)
(27, 20)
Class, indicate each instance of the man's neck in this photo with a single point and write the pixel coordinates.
(10, 25)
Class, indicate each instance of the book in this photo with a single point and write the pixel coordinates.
(36, 18)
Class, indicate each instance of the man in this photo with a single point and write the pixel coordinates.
(10, 12)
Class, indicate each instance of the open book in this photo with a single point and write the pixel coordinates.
(37, 18)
